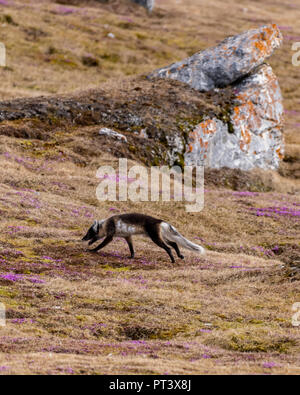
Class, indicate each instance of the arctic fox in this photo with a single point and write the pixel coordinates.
(127, 225)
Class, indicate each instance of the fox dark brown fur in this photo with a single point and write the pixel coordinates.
(126, 225)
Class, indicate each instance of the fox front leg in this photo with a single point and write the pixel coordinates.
(110, 232)
(104, 243)
(130, 245)
(94, 239)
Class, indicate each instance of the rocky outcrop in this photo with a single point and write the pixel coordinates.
(148, 4)
(166, 121)
(251, 134)
(155, 118)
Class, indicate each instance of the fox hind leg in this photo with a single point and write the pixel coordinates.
(154, 235)
(176, 248)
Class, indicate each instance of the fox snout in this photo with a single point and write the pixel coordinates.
(93, 233)
(91, 237)
(85, 238)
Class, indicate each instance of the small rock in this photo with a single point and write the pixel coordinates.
(148, 4)
(143, 133)
(113, 134)
(111, 35)
(90, 61)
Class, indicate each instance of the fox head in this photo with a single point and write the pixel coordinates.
(94, 233)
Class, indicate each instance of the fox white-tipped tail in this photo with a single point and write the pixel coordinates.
(169, 233)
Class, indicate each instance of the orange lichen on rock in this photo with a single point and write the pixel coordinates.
(245, 139)
(200, 136)
(279, 153)
(206, 127)
(265, 40)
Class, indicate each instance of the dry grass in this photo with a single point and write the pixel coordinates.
(72, 312)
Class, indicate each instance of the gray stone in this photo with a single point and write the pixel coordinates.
(112, 133)
(257, 121)
(148, 4)
(224, 64)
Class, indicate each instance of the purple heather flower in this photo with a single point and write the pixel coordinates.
(269, 365)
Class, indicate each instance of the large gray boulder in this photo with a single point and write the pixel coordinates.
(251, 136)
(232, 59)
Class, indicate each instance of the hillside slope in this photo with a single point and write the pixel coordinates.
(73, 312)
(71, 44)
(70, 311)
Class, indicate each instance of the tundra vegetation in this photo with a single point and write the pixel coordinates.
(72, 312)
